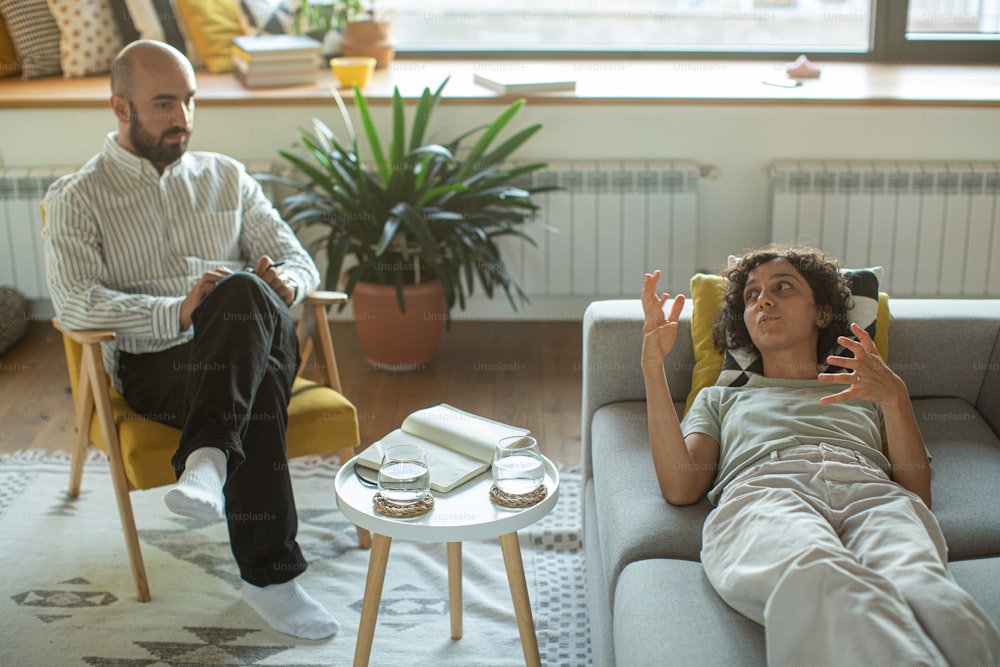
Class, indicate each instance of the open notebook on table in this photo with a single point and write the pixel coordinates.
(459, 445)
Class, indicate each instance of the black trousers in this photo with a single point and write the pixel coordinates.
(229, 388)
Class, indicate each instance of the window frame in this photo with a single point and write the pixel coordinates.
(888, 44)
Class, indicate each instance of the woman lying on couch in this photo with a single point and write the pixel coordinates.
(822, 530)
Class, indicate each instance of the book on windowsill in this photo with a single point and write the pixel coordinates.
(458, 445)
(275, 47)
(276, 79)
(526, 79)
(299, 64)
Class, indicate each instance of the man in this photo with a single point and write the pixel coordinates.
(178, 253)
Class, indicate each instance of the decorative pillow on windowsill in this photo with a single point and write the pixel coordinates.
(870, 310)
(90, 37)
(157, 20)
(211, 25)
(268, 17)
(35, 36)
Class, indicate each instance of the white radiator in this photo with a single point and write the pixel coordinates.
(934, 226)
(613, 221)
(21, 262)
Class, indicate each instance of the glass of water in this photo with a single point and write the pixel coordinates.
(403, 478)
(517, 465)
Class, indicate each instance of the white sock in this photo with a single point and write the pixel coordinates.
(198, 494)
(289, 609)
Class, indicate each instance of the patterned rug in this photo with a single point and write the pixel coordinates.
(67, 595)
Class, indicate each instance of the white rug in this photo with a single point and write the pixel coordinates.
(67, 595)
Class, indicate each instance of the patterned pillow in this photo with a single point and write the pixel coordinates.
(268, 17)
(123, 17)
(35, 36)
(740, 363)
(90, 36)
(157, 19)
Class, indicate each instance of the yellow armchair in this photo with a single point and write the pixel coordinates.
(320, 420)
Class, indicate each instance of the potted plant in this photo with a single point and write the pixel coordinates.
(325, 21)
(368, 34)
(423, 223)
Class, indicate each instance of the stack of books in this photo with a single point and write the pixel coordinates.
(275, 60)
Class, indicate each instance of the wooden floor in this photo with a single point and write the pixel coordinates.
(523, 373)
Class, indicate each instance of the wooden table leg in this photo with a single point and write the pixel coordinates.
(455, 588)
(373, 598)
(519, 594)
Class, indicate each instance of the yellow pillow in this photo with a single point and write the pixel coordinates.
(9, 65)
(707, 292)
(212, 25)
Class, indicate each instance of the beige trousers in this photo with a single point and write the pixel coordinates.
(841, 565)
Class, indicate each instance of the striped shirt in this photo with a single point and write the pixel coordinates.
(124, 244)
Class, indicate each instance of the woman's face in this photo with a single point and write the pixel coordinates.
(780, 311)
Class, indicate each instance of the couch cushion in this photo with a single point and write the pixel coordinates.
(667, 613)
(635, 521)
(981, 577)
(965, 473)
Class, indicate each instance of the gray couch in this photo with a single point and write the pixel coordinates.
(648, 598)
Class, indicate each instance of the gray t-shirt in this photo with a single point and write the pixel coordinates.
(770, 414)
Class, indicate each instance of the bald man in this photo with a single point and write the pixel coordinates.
(177, 252)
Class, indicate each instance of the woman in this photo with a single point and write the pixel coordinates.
(822, 530)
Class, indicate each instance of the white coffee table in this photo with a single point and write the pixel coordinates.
(467, 513)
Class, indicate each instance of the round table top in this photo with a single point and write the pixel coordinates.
(465, 513)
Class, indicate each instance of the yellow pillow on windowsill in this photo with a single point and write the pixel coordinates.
(9, 66)
(212, 24)
(707, 292)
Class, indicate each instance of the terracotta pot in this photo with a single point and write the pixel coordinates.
(369, 38)
(396, 341)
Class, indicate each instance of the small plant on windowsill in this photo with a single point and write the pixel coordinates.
(322, 16)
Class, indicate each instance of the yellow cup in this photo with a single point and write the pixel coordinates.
(352, 71)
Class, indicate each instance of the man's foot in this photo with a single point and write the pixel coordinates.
(198, 494)
(289, 609)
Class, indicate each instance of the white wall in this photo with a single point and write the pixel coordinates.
(739, 140)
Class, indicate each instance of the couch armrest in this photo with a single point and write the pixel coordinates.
(988, 402)
(612, 346)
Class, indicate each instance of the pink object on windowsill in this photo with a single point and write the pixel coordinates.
(802, 68)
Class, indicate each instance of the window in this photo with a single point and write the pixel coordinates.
(838, 29)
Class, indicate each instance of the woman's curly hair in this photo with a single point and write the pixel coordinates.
(829, 287)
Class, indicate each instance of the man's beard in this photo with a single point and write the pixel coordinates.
(153, 149)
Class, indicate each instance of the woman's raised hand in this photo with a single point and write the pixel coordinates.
(658, 331)
(870, 378)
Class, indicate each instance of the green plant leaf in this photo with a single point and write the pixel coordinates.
(397, 147)
(371, 133)
(490, 133)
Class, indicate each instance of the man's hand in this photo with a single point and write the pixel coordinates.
(198, 293)
(279, 282)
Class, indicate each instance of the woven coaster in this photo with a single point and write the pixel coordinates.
(383, 506)
(518, 499)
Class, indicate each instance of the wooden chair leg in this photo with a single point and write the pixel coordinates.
(93, 373)
(84, 412)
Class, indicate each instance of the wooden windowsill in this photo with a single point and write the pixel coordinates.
(621, 82)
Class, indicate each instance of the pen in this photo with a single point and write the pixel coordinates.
(250, 268)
